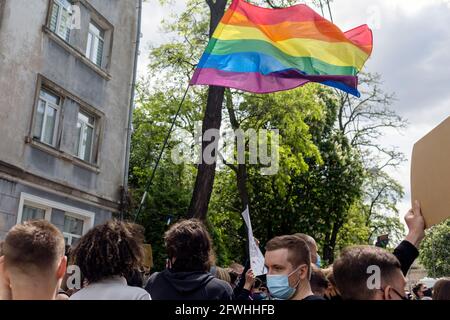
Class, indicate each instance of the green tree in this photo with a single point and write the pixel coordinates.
(435, 250)
(169, 194)
(328, 172)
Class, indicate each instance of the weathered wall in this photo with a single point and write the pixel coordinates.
(9, 204)
(25, 52)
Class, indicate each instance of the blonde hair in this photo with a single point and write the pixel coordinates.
(223, 274)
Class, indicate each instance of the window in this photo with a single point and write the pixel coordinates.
(46, 119)
(73, 229)
(61, 18)
(95, 43)
(32, 213)
(73, 222)
(85, 136)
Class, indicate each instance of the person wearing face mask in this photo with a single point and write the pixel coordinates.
(288, 260)
(419, 291)
(355, 271)
(369, 273)
(312, 245)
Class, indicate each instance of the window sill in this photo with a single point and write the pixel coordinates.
(62, 155)
(77, 53)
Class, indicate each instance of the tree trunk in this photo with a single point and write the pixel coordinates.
(206, 172)
(330, 243)
(241, 168)
(204, 182)
(242, 185)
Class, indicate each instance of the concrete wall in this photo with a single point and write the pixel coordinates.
(9, 205)
(25, 52)
(30, 53)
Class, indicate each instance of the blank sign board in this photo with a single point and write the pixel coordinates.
(430, 174)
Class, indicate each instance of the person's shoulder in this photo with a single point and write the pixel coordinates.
(154, 275)
(138, 293)
(79, 295)
(221, 285)
(153, 278)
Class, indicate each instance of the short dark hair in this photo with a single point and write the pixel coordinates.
(113, 248)
(319, 281)
(441, 289)
(416, 289)
(350, 270)
(189, 243)
(35, 244)
(298, 250)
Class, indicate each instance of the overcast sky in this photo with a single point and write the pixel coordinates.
(411, 52)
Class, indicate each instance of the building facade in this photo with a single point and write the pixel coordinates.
(66, 69)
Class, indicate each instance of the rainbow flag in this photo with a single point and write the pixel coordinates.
(263, 50)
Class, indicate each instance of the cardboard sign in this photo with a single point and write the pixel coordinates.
(430, 174)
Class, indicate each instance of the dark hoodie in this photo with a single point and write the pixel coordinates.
(168, 285)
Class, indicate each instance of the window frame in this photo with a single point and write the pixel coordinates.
(61, 7)
(48, 205)
(90, 54)
(71, 236)
(29, 203)
(48, 104)
(66, 153)
(93, 137)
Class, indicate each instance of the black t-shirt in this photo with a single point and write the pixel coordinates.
(314, 298)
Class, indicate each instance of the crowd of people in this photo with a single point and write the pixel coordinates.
(107, 264)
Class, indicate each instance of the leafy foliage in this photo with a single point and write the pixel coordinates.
(331, 181)
(435, 250)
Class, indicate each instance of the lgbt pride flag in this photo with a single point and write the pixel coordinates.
(263, 50)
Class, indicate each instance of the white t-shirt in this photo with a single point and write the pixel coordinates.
(115, 288)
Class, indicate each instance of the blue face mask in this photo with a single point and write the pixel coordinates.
(279, 287)
(319, 261)
(259, 296)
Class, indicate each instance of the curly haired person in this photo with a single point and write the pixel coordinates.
(106, 255)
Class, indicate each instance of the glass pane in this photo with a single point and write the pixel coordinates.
(45, 95)
(94, 49)
(89, 46)
(32, 213)
(95, 30)
(85, 131)
(88, 144)
(39, 119)
(83, 117)
(50, 121)
(82, 147)
(54, 17)
(64, 26)
(75, 240)
(77, 146)
(66, 4)
(73, 225)
(99, 53)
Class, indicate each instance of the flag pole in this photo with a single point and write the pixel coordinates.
(166, 141)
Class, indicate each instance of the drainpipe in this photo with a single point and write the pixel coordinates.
(130, 111)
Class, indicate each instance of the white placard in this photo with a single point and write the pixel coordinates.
(256, 256)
